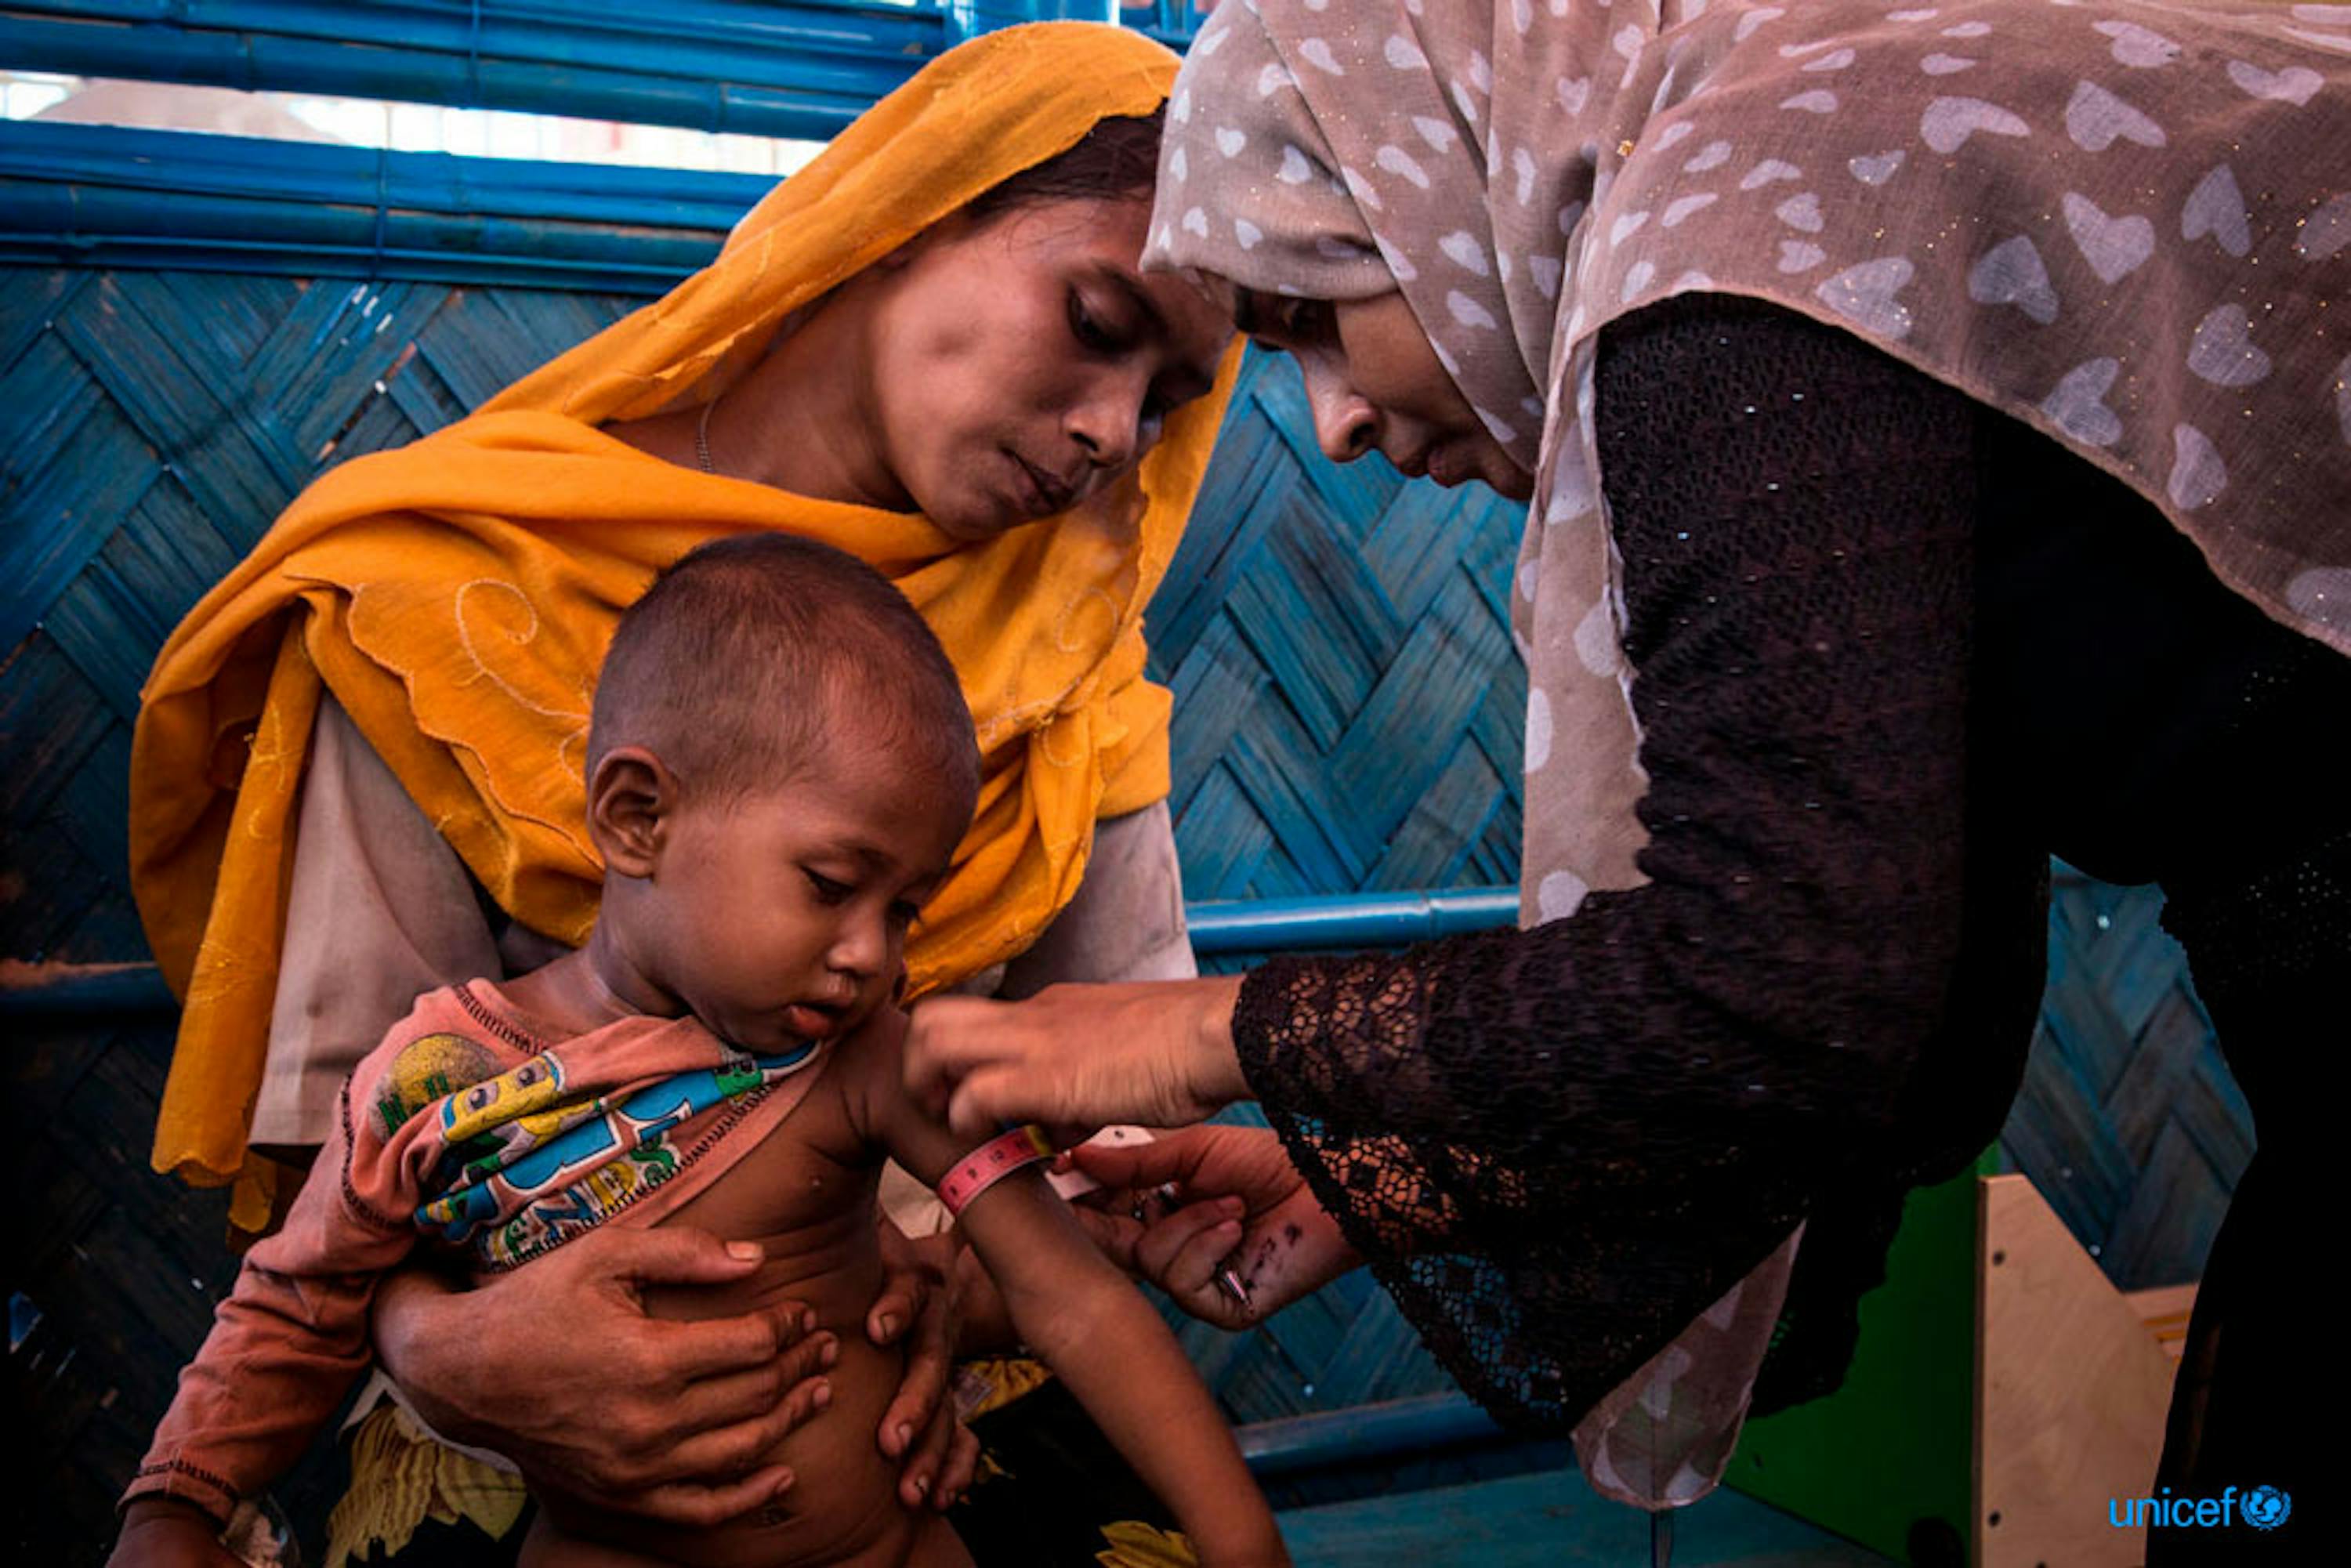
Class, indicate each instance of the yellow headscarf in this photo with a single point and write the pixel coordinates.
(457, 597)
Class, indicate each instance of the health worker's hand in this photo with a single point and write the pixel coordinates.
(1240, 1204)
(1075, 1058)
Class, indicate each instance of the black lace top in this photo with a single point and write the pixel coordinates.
(1557, 1146)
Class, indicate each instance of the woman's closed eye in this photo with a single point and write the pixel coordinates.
(1280, 321)
(1094, 329)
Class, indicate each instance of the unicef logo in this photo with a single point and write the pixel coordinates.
(2266, 1508)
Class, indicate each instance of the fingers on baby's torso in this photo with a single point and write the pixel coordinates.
(806, 1193)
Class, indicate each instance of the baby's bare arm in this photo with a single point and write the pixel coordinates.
(1101, 1337)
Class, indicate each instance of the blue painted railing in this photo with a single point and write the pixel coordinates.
(1347, 920)
(802, 69)
(89, 196)
(1364, 1435)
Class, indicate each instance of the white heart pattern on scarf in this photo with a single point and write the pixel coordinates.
(1560, 894)
(2012, 272)
(2217, 207)
(1461, 247)
(1468, 312)
(1682, 207)
(2222, 349)
(2293, 85)
(2096, 118)
(2139, 48)
(1865, 295)
(1396, 160)
(1315, 52)
(1713, 155)
(1801, 212)
(2115, 248)
(1800, 255)
(2198, 474)
(1877, 168)
(2078, 405)
(2323, 593)
(1949, 121)
(2326, 231)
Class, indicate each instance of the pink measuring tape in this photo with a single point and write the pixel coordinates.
(991, 1162)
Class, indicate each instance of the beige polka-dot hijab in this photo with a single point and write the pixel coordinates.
(2127, 224)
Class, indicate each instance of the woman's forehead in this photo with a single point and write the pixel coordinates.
(1100, 242)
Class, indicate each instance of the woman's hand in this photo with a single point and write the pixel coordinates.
(1077, 1057)
(919, 1303)
(667, 1420)
(1244, 1206)
(164, 1532)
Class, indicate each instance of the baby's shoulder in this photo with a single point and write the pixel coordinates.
(868, 1064)
(450, 1041)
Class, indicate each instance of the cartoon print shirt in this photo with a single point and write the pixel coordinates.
(472, 1128)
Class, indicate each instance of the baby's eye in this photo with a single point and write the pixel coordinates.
(901, 913)
(827, 891)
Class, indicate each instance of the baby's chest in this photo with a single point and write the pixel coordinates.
(803, 1179)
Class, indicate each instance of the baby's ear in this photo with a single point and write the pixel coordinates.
(629, 794)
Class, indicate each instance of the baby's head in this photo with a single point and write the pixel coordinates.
(780, 765)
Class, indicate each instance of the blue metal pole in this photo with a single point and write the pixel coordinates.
(97, 195)
(1263, 925)
(970, 18)
(1347, 920)
(801, 71)
(1363, 1434)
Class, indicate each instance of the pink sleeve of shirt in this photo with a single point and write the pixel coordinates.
(290, 1339)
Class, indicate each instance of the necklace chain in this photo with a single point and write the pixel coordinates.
(702, 439)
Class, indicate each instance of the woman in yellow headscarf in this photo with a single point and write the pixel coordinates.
(931, 347)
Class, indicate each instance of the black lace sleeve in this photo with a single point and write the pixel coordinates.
(1558, 1145)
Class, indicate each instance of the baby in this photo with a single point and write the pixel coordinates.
(779, 767)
